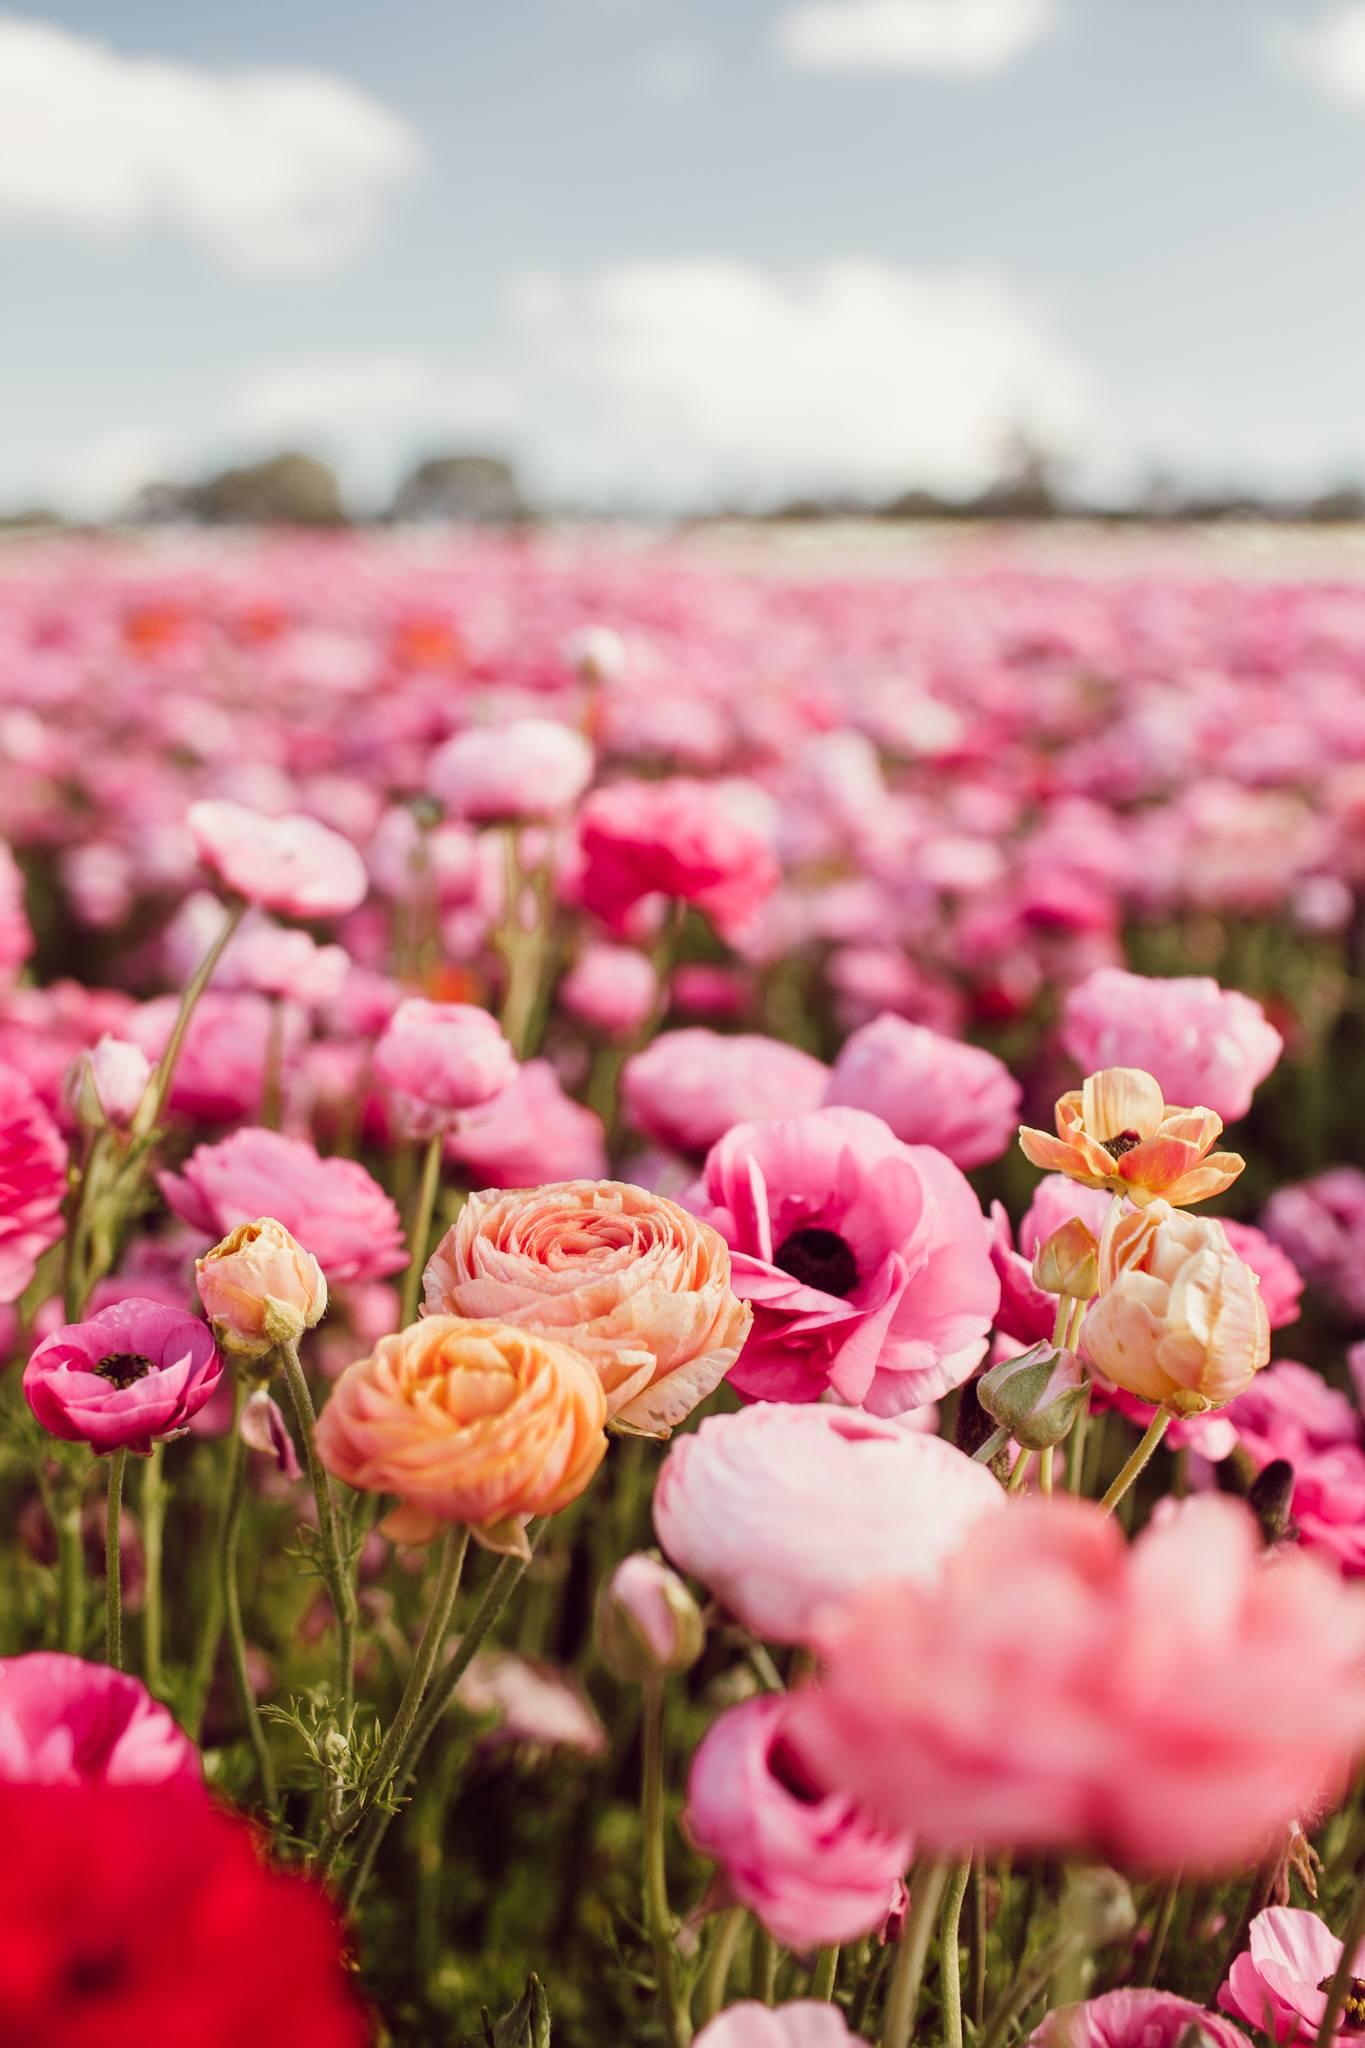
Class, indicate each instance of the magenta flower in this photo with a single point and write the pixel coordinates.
(335, 1209)
(447, 1056)
(682, 839)
(803, 1859)
(32, 1183)
(931, 1090)
(129, 1376)
(64, 1722)
(866, 1261)
(1135, 2019)
(292, 864)
(1278, 1985)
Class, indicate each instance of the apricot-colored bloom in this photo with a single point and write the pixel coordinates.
(634, 1282)
(1179, 1318)
(260, 1288)
(467, 1422)
(1118, 1132)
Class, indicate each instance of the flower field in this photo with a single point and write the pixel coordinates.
(682, 1271)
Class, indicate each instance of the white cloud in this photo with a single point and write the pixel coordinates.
(274, 170)
(962, 38)
(675, 70)
(1329, 52)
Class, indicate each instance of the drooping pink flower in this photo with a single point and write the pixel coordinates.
(1135, 2019)
(807, 2023)
(1026, 1312)
(866, 1261)
(810, 1867)
(32, 1183)
(335, 1209)
(781, 1509)
(292, 865)
(1278, 1984)
(614, 989)
(931, 1090)
(519, 769)
(64, 1722)
(1003, 1705)
(531, 1132)
(681, 839)
(689, 1087)
(447, 1056)
(125, 1378)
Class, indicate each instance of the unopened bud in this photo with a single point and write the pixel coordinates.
(1271, 1499)
(648, 1624)
(107, 1083)
(260, 1288)
(1036, 1396)
(1097, 1907)
(1068, 1262)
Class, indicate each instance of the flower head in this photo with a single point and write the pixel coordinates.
(647, 1625)
(1278, 1985)
(519, 769)
(446, 1056)
(1136, 2019)
(293, 865)
(931, 1089)
(64, 1722)
(681, 838)
(1203, 1043)
(1118, 1132)
(32, 1183)
(135, 1373)
(260, 1288)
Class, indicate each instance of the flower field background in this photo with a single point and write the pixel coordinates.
(540, 1366)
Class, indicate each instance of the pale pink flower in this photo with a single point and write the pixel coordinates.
(866, 1261)
(1278, 1984)
(682, 839)
(1003, 1705)
(1135, 2019)
(689, 1087)
(1320, 1224)
(781, 1509)
(533, 1705)
(66, 1722)
(931, 1090)
(32, 1183)
(810, 1867)
(332, 1206)
(1203, 1043)
(531, 1132)
(293, 864)
(614, 989)
(446, 1056)
(521, 768)
(807, 2023)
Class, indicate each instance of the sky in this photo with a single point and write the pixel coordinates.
(662, 252)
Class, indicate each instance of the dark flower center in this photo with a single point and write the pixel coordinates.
(819, 1258)
(1353, 2012)
(785, 1767)
(1125, 1141)
(124, 1368)
(94, 1974)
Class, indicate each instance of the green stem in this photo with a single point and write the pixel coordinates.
(1156, 1429)
(232, 1612)
(658, 1918)
(1045, 1470)
(1027, 1986)
(825, 1975)
(419, 1229)
(902, 2001)
(978, 1946)
(153, 1526)
(194, 988)
(950, 1959)
(1339, 1989)
(762, 1965)
(113, 1562)
(71, 1577)
(1018, 1471)
(716, 1975)
(997, 1439)
(211, 1619)
(336, 1564)
(1075, 1460)
(1161, 1928)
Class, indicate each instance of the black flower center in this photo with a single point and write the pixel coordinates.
(1353, 2011)
(819, 1258)
(1125, 1141)
(94, 1974)
(124, 1368)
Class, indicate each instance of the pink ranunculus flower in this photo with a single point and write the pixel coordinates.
(1289, 1411)
(630, 1279)
(783, 1508)
(335, 1209)
(931, 1090)
(124, 1379)
(1320, 1224)
(690, 1087)
(613, 989)
(866, 1261)
(1003, 1705)
(1026, 1312)
(447, 1056)
(807, 2023)
(1278, 1984)
(810, 1867)
(32, 1183)
(232, 1039)
(1281, 1281)
(65, 1722)
(520, 769)
(531, 1132)
(1135, 2019)
(1203, 1043)
(292, 865)
(680, 838)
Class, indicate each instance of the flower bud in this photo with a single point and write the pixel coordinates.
(1097, 1907)
(260, 1288)
(106, 1084)
(1036, 1396)
(1068, 1262)
(648, 1624)
(1271, 1500)
(262, 1426)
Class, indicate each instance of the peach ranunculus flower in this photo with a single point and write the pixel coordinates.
(1179, 1319)
(632, 1280)
(1118, 1132)
(472, 1422)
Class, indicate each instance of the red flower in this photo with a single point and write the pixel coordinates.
(145, 1913)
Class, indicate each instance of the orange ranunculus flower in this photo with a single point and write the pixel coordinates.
(1179, 1319)
(1117, 1132)
(632, 1280)
(466, 1422)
